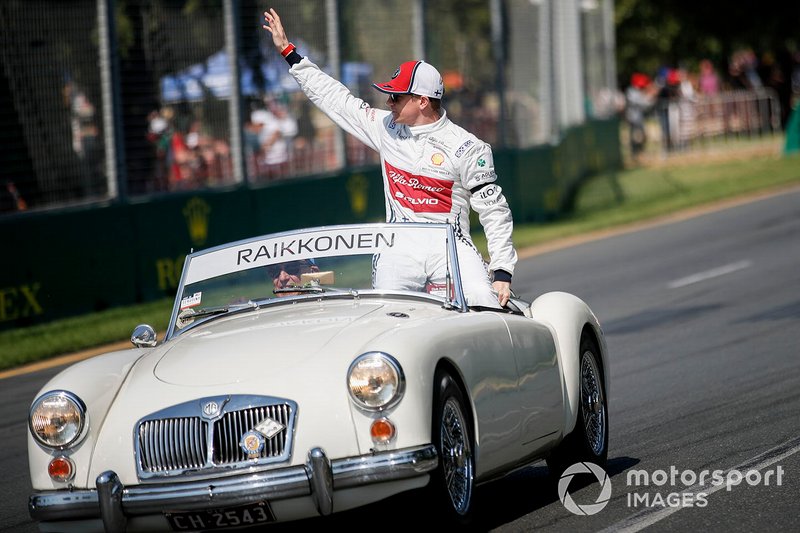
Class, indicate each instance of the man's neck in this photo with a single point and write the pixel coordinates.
(427, 118)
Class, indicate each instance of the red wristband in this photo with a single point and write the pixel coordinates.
(288, 50)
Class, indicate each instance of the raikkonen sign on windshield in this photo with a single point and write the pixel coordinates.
(251, 254)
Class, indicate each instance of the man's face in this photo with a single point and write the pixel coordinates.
(405, 108)
(288, 274)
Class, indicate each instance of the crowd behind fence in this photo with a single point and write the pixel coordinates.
(112, 100)
(684, 109)
(691, 123)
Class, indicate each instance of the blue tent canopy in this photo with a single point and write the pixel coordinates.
(212, 77)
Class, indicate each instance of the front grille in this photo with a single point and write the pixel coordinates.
(230, 428)
(185, 440)
(173, 444)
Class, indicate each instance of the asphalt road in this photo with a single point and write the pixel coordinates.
(701, 319)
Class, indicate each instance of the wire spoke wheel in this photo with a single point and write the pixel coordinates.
(456, 456)
(588, 441)
(593, 404)
(453, 483)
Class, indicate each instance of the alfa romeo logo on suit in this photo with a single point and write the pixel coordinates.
(602, 499)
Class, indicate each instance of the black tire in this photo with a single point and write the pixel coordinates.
(453, 482)
(589, 440)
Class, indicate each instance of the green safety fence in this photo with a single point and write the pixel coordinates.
(73, 261)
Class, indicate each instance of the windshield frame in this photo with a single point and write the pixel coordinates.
(196, 266)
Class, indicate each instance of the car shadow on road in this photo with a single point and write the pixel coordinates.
(530, 489)
(497, 503)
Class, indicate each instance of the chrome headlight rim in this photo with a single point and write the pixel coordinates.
(399, 390)
(79, 406)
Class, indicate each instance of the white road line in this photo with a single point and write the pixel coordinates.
(708, 274)
(649, 516)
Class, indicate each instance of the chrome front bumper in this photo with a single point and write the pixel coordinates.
(113, 502)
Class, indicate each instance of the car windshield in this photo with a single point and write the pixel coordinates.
(335, 261)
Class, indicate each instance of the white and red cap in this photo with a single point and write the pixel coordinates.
(414, 77)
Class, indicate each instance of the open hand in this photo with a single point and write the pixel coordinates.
(275, 27)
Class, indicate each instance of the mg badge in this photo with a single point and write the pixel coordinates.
(211, 409)
(252, 443)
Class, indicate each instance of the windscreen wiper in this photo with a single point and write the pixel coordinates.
(187, 316)
(299, 288)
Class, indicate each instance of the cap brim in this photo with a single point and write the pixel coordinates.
(388, 88)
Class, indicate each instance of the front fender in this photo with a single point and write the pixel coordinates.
(96, 382)
(566, 315)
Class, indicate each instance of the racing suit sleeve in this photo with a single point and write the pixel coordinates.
(487, 199)
(350, 113)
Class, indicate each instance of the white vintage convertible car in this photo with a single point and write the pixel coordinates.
(288, 387)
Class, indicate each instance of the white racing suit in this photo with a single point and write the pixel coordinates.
(431, 173)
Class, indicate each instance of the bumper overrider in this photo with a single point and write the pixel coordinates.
(113, 502)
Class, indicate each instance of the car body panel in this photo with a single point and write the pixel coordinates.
(518, 372)
(567, 315)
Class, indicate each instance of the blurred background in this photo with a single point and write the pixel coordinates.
(130, 98)
(134, 131)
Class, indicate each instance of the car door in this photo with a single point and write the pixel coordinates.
(541, 397)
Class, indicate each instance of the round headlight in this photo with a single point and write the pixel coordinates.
(375, 381)
(57, 419)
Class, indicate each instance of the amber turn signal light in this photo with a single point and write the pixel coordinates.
(61, 469)
(382, 430)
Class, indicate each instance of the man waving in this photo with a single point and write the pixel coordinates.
(433, 170)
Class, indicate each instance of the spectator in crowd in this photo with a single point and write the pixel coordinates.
(180, 157)
(686, 109)
(667, 107)
(197, 142)
(708, 80)
(158, 135)
(743, 70)
(639, 100)
(795, 79)
(252, 146)
(303, 146)
(85, 138)
(277, 128)
(187, 157)
(175, 157)
(775, 75)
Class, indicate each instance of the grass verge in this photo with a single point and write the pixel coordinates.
(35, 343)
(606, 201)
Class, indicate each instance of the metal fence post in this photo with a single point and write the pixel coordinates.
(418, 47)
(116, 175)
(332, 20)
(235, 117)
(499, 53)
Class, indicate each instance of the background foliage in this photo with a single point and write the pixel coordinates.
(651, 34)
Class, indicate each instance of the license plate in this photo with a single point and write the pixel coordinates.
(246, 515)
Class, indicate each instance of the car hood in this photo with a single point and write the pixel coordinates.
(234, 349)
(298, 352)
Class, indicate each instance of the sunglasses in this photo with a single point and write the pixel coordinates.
(396, 97)
(293, 268)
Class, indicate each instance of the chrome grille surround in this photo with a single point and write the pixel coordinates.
(201, 437)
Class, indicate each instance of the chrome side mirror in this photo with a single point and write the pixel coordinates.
(144, 336)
